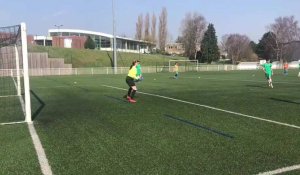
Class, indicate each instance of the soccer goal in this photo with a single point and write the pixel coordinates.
(15, 104)
(184, 65)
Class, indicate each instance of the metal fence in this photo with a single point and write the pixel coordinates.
(124, 70)
(121, 70)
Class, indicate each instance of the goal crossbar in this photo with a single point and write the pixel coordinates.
(196, 61)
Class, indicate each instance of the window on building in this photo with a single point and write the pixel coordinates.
(105, 42)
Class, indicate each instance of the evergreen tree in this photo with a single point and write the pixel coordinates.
(267, 48)
(253, 45)
(89, 43)
(209, 46)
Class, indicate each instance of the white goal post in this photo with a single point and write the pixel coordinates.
(26, 73)
(14, 75)
(172, 63)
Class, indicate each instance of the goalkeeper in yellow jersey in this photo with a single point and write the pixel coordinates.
(130, 80)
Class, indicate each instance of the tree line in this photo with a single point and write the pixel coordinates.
(200, 42)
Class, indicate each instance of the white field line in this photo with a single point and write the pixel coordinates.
(214, 108)
(21, 99)
(45, 167)
(257, 81)
(12, 123)
(5, 96)
(43, 161)
(281, 170)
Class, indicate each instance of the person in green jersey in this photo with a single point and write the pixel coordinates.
(176, 68)
(139, 71)
(130, 80)
(267, 67)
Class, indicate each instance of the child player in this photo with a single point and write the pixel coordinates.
(130, 80)
(176, 70)
(139, 71)
(285, 68)
(267, 67)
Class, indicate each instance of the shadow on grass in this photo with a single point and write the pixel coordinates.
(42, 105)
(121, 99)
(220, 133)
(286, 101)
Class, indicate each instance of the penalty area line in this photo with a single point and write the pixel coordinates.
(213, 108)
(12, 123)
(255, 81)
(6, 96)
(281, 170)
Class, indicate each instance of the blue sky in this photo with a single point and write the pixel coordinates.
(249, 17)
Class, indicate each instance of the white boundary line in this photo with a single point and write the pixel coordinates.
(45, 167)
(257, 81)
(214, 108)
(281, 170)
(43, 161)
(12, 123)
(5, 96)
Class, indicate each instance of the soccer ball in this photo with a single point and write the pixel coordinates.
(75, 82)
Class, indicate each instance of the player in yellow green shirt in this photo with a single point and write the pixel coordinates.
(176, 68)
(130, 80)
(267, 67)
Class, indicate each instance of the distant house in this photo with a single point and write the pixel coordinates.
(174, 48)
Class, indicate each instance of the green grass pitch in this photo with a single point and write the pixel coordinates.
(177, 126)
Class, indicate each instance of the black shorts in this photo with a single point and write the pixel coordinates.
(130, 81)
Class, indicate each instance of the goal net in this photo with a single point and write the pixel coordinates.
(14, 80)
(184, 65)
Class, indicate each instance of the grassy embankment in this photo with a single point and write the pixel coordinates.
(96, 58)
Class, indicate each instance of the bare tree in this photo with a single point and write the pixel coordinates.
(223, 46)
(147, 25)
(139, 28)
(286, 30)
(163, 30)
(237, 47)
(193, 27)
(153, 28)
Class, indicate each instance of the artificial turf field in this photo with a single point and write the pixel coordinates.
(220, 123)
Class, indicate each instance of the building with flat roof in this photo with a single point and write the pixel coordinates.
(74, 38)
